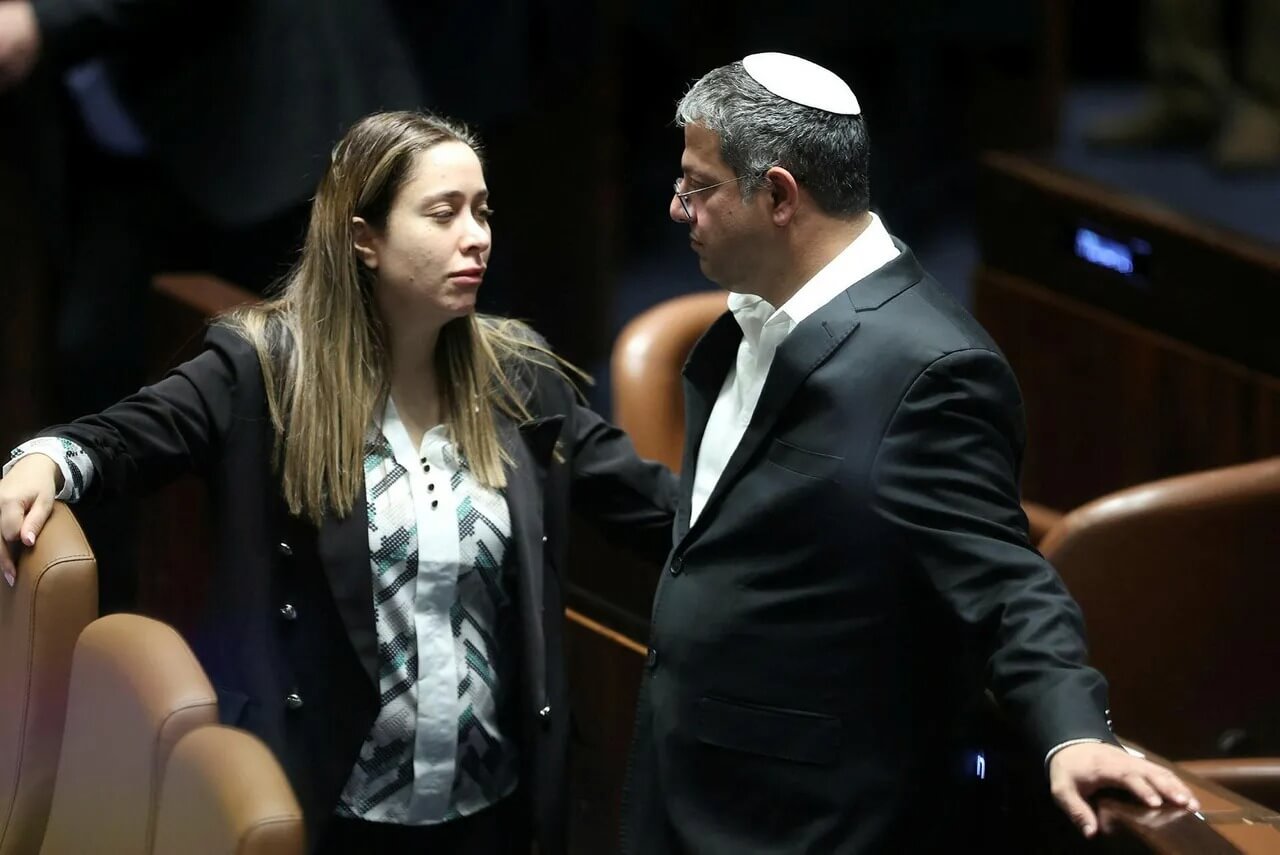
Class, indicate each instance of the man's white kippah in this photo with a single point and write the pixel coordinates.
(802, 81)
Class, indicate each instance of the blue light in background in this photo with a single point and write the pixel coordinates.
(1104, 251)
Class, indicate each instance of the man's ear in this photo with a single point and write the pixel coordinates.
(784, 195)
(366, 242)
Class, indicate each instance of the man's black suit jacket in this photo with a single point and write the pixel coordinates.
(859, 574)
(209, 417)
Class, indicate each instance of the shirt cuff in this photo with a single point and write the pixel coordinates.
(1061, 745)
(77, 468)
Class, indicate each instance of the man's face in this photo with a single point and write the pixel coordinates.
(727, 233)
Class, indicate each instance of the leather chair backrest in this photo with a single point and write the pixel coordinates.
(136, 689)
(1179, 580)
(224, 792)
(648, 396)
(56, 596)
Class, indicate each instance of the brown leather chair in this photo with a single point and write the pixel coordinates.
(1177, 580)
(136, 689)
(648, 399)
(224, 792)
(56, 596)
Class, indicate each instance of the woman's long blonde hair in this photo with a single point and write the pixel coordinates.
(322, 344)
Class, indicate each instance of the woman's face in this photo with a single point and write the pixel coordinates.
(431, 256)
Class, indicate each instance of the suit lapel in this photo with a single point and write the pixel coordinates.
(809, 345)
(704, 374)
(343, 548)
(531, 447)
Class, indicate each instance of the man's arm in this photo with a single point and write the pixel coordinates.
(946, 487)
(67, 32)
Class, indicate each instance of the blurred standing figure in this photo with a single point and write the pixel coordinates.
(194, 137)
(1196, 98)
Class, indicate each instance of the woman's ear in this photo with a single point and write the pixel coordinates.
(366, 242)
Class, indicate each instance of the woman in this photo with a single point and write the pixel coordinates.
(391, 475)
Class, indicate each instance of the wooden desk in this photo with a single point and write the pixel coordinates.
(1227, 823)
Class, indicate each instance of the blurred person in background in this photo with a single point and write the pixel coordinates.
(1202, 92)
(193, 136)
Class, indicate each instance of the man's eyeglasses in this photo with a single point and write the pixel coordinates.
(683, 195)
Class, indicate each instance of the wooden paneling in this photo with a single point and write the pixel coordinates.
(1110, 404)
(1127, 378)
(604, 670)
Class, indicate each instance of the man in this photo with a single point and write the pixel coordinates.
(850, 530)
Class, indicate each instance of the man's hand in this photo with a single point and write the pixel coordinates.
(1078, 771)
(19, 41)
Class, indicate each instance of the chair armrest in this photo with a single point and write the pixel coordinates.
(1255, 778)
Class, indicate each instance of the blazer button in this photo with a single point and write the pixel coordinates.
(677, 565)
(285, 549)
(651, 659)
(544, 538)
(288, 612)
(293, 701)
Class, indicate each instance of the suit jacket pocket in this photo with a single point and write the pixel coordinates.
(793, 458)
(796, 735)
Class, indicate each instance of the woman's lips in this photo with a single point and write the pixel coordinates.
(471, 276)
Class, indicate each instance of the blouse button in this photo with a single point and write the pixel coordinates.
(293, 701)
(288, 612)
(285, 549)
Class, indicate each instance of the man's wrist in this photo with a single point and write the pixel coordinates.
(1061, 745)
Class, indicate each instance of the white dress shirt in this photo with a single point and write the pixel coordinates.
(763, 330)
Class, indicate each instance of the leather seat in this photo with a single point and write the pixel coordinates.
(55, 597)
(1178, 584)
(648, 398)
(1177, 580)
(136, 690)
(224, 792)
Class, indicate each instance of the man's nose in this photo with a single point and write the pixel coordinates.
(676, 210)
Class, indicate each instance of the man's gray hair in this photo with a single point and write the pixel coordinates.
(828, 153)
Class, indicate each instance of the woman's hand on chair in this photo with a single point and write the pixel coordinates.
(26, 500)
